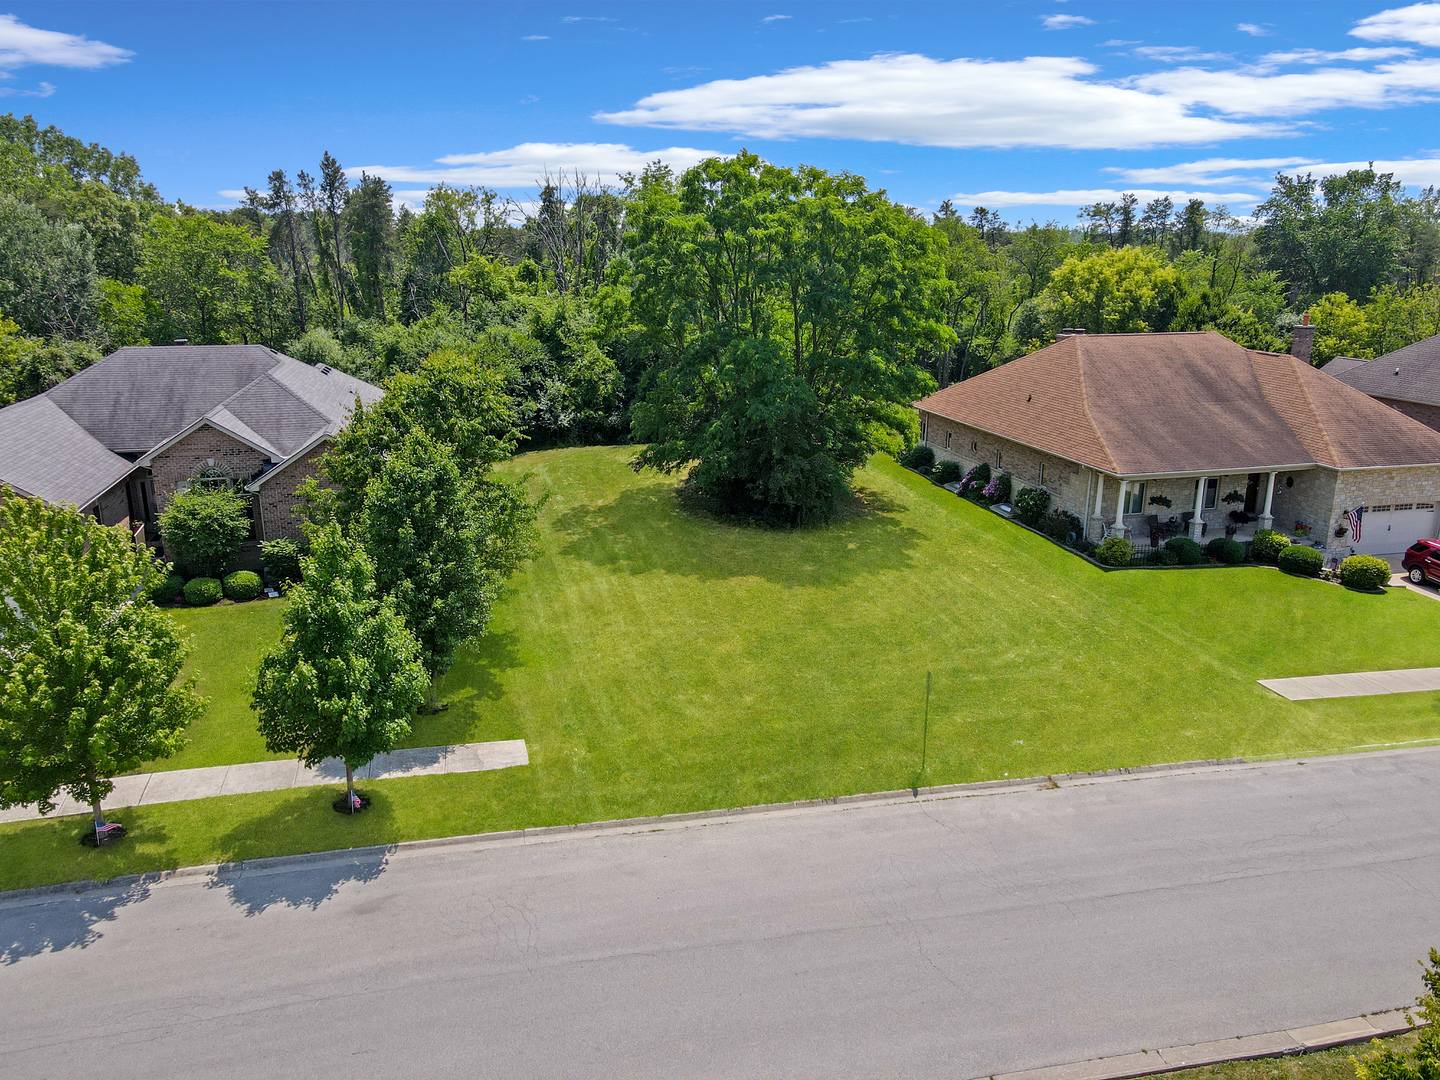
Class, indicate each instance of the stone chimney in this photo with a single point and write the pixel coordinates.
(1304, 339)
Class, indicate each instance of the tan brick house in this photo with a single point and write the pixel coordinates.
(120, 438)
(1108, 423)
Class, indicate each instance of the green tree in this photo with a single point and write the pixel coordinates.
(88, 673)
(1124, 290)
(345, 678)
(371, 225)
(206, 279)
(1341, 329)
(454, 398)
(288, 247)
(787, 310)
(48, 282)
(204, 526)
(424, 531)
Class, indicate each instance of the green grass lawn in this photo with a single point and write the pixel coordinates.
(659, 661)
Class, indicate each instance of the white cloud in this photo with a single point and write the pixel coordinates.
(1362, 55)
(521, 166)
(1085, 196)
(774, 18)
(1177, 54)
(21, 45)
(1065, 22)
(1413, 172)
(43, 89)
(535, 37)
(1252, 29)
(1241, 94)
(1037, 101)
(1419, 23)
(1210, 171)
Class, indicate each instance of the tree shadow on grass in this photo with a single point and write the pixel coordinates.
(654, 528)
(474, 680)
(63, 922)
(306, 884)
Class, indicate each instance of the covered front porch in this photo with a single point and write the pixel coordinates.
(1150, 510)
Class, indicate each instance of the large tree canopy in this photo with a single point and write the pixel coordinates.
(786, 308)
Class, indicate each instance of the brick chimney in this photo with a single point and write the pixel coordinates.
(1304, 339)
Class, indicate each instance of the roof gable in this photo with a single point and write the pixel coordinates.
(1408, 374)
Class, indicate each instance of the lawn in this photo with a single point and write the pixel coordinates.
(656, 660)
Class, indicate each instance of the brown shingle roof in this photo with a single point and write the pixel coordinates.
(1147, 404)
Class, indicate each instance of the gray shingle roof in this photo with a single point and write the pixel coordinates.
(46, 454)
(139, 396)
(1408, 374)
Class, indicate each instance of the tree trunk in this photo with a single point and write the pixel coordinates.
(99, 816)
(350, 787)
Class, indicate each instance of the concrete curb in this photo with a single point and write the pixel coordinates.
(602, 827)
(1244, 1048)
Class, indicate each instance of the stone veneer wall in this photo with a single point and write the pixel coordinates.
(1429, 415)
(1378, 487)
(1069, 484)
(277, 498)
(193, 453)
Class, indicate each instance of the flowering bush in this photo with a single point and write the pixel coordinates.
(976, 478)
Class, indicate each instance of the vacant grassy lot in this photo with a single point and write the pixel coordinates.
(659, 661)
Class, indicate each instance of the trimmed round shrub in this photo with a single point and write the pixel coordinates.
(203, 591)
(1267, 545)
(1187, 551)
(1364, 572)
(1031, 506)
(166, 589)
(1306, 561)
(1115, 551)
(919, 456)
(242, 585)
(1223, 549)
(947, 472)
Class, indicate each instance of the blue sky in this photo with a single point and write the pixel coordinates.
(1029, 108)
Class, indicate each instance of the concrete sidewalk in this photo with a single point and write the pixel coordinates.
(143, 789)
(1356, 684)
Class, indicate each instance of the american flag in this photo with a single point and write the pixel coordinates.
(1353, 516)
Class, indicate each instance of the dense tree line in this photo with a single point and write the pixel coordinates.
(604, 314)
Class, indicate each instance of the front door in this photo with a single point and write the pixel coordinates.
(1252, 492)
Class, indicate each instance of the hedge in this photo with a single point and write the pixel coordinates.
(203, 591)
(947, 472)
(166, 590)
(1115, 551)
(1306, 561)
(919, 457)
(1267, 545)
(1185, 549)
(1364, 572)
(1223, 549)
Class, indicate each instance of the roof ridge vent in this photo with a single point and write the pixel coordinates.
(324, 369)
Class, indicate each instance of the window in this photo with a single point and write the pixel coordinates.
(947, 440)
(1041, 472)
(924, 429)
(1424, 506)
(974, 447)
(1404, 506)
(1212, 490)
(1135, 499)
(999, 458)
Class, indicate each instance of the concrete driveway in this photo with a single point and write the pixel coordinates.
(957, 937)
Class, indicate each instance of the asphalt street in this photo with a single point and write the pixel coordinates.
(951, 937)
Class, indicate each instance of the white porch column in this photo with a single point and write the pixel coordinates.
(1266, 518)
(1197, 527)
(1099, 521)
(1120, 509)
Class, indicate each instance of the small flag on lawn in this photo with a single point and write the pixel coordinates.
(1353, 516)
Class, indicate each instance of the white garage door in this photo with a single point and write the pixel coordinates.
(1388, 530)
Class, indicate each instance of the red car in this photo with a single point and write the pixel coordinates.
(1422, 561)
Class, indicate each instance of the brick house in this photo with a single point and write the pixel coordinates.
(120, 438)
(1107, 423)
(1407, 379)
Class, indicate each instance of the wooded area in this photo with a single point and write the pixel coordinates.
(553, 291)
